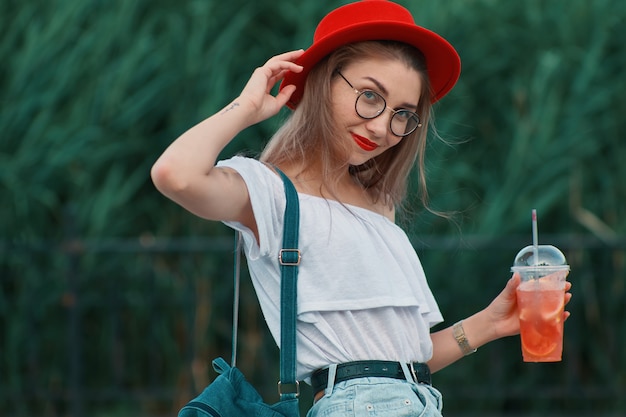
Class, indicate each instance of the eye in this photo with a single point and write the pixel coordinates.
(404, 114)
(370, 96)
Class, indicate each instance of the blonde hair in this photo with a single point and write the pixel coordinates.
(307, 138)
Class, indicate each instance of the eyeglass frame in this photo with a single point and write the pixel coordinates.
(393, 111)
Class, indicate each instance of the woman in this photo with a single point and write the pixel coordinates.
(361, 97)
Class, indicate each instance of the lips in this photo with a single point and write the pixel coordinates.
(364, 143)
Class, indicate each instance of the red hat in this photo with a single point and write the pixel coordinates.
(378, 20)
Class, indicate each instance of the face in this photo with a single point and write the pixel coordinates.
(399, 85)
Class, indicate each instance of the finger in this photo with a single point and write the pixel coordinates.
(286, 61)
(566, 315)
(283, 96)
(289, 55)
(513, 283)
(568, 297)
(277, 77)
(276, 72)
(282, 67)
(267, 76)
(568, 286)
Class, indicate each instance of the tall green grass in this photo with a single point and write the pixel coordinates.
(91, 92)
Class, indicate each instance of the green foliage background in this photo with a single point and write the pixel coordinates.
(113, 295)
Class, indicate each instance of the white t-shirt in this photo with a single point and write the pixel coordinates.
(362, 292)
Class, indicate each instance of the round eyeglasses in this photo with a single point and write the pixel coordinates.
(369, 105)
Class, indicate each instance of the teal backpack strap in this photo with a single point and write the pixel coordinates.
(289, 259)
(237, 288)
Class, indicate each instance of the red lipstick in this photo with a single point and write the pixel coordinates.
(364, 143)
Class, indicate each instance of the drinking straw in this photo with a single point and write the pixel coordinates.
(535, 237)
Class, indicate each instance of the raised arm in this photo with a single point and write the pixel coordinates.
(186, 171)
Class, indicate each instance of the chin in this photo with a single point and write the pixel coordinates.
(361, 158)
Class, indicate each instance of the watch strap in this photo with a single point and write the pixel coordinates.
(461, 339)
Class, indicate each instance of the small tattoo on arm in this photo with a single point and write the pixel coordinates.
(231, 107)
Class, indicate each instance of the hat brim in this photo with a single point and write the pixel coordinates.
(442, 61)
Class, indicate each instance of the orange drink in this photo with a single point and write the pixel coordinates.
(540, 305)
(540, 301)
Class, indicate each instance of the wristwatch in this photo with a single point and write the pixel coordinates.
(459, 335)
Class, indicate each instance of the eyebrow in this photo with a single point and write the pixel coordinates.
(408, 106)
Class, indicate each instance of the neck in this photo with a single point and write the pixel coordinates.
(311, 179)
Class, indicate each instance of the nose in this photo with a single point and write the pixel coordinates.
(379, 125)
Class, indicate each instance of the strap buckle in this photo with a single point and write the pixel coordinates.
(422, 374)
(292, 259)
(296, 392)
(413, 373)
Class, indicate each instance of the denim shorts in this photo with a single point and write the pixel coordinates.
(387, 397)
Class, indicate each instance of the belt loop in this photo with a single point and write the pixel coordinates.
(332, 373)
(408, 374)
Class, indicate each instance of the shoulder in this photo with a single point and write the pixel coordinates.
(253, 171)
(241, 163)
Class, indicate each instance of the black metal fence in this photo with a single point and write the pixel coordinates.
(120, 327)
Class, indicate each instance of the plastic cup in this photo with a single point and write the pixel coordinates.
(541, 301)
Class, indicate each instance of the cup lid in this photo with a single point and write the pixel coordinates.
(548, 257)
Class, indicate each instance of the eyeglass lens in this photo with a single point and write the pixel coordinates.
(370, 104)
